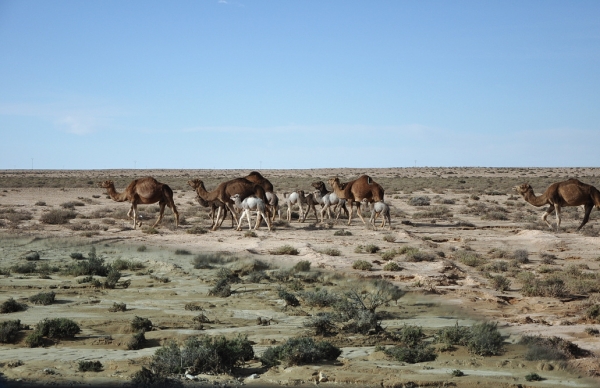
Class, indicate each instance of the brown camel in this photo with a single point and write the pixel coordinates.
(214, 205)
(225, 190)
(143, 191)
(560, 194)
(272, 199)
(355, 191)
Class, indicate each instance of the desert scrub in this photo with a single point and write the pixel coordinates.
(141, 248)
(320, 298)
(71, 204)
(9, 331)
(141, 324)
(419, 201)
(392, 266)
(454, 335)
(289, 298)
(215, 355)
(500, 283)
(250, 233)
(485, 339)
(342, 232)
(90, 366)
(150, 230)
(43, 298)
(533, 377)
(550, 287)
(469, 258)
(58, 216)
(521, 256)
(371, 248)
(131, 265)
(322, 324)
(58, 328)
(550, 348)
(11, 306)
(434, 212)
(388, 255)
(330, 252)
(302, 266)
(137, 341)
(182, 252)
(406, 250)
(362, 265)
(222, 288)
(117, 307)
(207, 260)
(285, 250)
(389, 238)
(416, 257)
(299, 351)
(24, 268)
(412, 348)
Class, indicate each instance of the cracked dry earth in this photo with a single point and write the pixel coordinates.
(440, 293)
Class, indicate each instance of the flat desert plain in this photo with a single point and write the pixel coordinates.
(467, 252)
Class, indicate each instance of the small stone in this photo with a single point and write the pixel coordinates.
(322, 377)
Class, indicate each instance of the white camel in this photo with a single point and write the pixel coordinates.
(328, 201)
(295, 198)
(273, 203)
(251, 203)
(377, 209)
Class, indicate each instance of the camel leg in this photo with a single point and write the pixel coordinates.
(217, 224)
(258, 220)
(160, 215)
(557, 217)
(546, 214)
(129, 214)
(248, 217)
(175, 212)
(588, 209)
(350, 213)
(359, 213)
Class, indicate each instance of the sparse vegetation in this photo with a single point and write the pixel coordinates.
(392, 266)
(141, 324)
(90, 366)
(11, 306)
(362, 265)
(58, 216)
(285, 250)
(197, 230)
(302, 266)
(485, 339)
(9, 331)
(298, 351)
(342, 232)
(43, 298)
(331, 252)
(117, 307)
(419, 201)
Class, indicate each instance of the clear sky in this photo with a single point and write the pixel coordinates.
(298, 84)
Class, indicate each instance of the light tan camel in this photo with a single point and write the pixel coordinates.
(225, 190)
(329, 199)
(272, 198)
(355, 191)
(143, 191)
(567, 193)
(214, 205)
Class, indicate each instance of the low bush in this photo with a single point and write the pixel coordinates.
(551, 348)
(416, 257)
(389, 238)
(550, 287)
(298, 351)
(197, 230)
(116, 307)
(331, 252)
(289, 298)
(285, 250)
(150, 230)
(434, 212)
(58, 328)
(182, 252)
(412, 348)
(131, 265)
(302, 266)
(454, 335)
(58, 216)
(500, 283)
(362, 265)
(137, 341)
(392, 266)
(34, 340)
(9, 331)
(533, 377)
(322, 324)
(371, 248)
(11, 306)
(25, 268)
(342, 232)
(469, 258)
(145, 378)
(90, 366)
(419, 201)
(207, 260)
(222, 288)
(141, 324)
(320, 298)
(388, 255)
(521, 256)
(31, 256)
(112, 278)
(203, 354)
(91, 266)
(406, 250)
(43, 298)
(485, 339)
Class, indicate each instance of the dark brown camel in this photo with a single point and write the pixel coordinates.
(272, 199)
(225, 190)
(143, 191)
(560, 194)
(355, 191)
(214, 205)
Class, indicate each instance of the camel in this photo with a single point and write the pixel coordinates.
(560, 194)
(312, 199)
(379, 208)
(357, 190)
(225, 190)
(144, 191)
(272, 198)
(296, 197)
(329, 199)
(251, 203)
(214, 205)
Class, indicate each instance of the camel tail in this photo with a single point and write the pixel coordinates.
(595, 196)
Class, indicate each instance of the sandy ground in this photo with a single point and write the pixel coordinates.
(440, 292)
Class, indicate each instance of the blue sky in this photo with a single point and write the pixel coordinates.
(298, 84)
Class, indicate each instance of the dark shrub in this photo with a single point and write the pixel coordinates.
(551, 348)
(91, 266)
(112, 278)
(222, 288)
(285, 250)
(322, 324)
(137, 341)
(90, 366)
(298, 351)
(57, 216)
(485, 339)
(145, 378)
(139, 324)
(9, 331)
(302, 266)
(24, 268)
(454, 335)
(43, 298)
(11, 306)
(533, 377)
(362, 265)
(32, 256)
(206, 260)
(117, 307)
(420, 353)
(289, 298)
(35, 339)
(58, 328)
(419, 201)
(321, 298)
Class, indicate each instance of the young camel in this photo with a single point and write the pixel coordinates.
(312, 199)
(251, 203)
(214, 204)
(560, 194)
(357, 190)
(144, 191)
(296, 197)
(272, 199)
(328, 200)
(377, 209)
(224, 191)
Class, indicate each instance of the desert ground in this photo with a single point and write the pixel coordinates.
(466, 248)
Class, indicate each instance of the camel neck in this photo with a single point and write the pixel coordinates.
(114, 195)
(205, 195)
(535, 200)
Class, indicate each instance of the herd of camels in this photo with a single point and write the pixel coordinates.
(255, 192)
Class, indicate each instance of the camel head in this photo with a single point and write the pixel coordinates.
(318, 185)
(335, 180)
(195, 183)
(106, 184)
(256, 174)
(524, 188)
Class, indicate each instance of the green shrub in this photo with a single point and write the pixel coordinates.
(145, 378)
(137, 341)
(392, 266)
(222, 288)
(533, 377)
(500, 283)
(298, 351)
(593, 313)
(117, 307)
(182, 252)
(320, 298)
(371, 248)
(9, 331)
(389, 238)
(141, 324)
(457, 373)
(91, 266)
(285, 250)
(485, 339)
(362, 265)
(204, 354)
(550, 287)
(131, 265)
(322, 324)
(388, 255)
(31, 256)
(34, 340)
(25, 268)
(77, 256)
(43, 298)
(302, 266)
(90, 366)
(11, 306)
(469, 258)
(331, 252)
(150, 230)
(416, 257)
(112, 278)
(405, 250)
(57, 216)
(289, 298)
(58, 328)
(412, 355)
(342, 232)
(454, 335)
